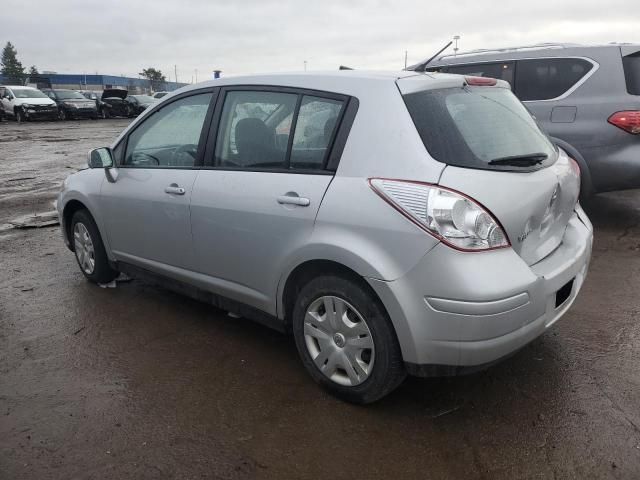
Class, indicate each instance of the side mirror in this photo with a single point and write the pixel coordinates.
(100, 158)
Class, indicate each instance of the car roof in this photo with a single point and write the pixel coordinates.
(338, 81)
(525, 51)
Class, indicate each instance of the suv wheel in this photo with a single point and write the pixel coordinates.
(62, 115)
(89, 249)
(20, 117)
(346, 340)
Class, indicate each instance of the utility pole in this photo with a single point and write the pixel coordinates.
(175, 71)
(196, 75)
(405, 59)
(305, 65)
(455, 46)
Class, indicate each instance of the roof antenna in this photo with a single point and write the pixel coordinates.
(421, 67)
(342, 67)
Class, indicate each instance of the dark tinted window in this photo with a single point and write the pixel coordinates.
(502, 70)
(315, 127)
(472, 126)
(631, 65)
(170, 136)
(547, 78)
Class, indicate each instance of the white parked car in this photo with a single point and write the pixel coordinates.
(26, 103)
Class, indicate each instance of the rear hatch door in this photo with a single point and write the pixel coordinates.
(533, 208)
(496, 153)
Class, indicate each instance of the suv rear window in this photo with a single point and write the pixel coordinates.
(473, 126)
(631, 64)
(547, 78)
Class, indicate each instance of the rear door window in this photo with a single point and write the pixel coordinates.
(548, 78)
(631, 64)
(474, 127)
(315, 129)
(256, 127)
(499, 70)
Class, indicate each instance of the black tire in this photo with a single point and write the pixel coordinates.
(20, 118)
(62, 114)
(102, 272)
(388, 369)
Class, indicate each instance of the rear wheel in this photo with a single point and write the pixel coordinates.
(346, 340)
(89, 249)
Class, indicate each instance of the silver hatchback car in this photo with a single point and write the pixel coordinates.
(394, 223)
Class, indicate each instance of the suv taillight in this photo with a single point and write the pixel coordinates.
(629, 121)
(451, 217)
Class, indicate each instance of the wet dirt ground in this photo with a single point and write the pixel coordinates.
(136, 382)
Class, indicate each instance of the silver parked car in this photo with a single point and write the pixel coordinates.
(393, 222)
(586, 97)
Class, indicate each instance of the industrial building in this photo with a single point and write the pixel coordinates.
(97, 82)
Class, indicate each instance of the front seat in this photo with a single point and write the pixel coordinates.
(255, 143)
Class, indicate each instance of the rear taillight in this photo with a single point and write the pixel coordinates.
(629, 121)
(481, 81)
(450, 216)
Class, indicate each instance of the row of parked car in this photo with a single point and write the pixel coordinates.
(27, 103)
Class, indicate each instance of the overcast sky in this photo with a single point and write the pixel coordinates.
(244, 36)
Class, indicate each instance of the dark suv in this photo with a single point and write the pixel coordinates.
(586, 97)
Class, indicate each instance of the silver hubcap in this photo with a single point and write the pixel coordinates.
(84, 248)
(339, 341)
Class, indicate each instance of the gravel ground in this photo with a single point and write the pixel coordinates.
(137, 382)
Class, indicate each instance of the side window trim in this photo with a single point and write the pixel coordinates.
(124, 141)
(292, 131)
(334, 149)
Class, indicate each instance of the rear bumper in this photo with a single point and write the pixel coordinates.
(614, 167)
(465, 310)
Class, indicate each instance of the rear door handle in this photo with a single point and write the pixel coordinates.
(293, 199)
(174, 189)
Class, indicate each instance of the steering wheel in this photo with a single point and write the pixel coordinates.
(178, 157)
(144, 158)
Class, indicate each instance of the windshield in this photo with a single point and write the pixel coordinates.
(68, 95)
(143, 98)
(479, 127)
(28, 93)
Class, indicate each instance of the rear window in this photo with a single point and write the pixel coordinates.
(631, 65)
(473, 126)
(547, 78)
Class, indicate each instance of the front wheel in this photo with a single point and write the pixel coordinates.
(20, 116)
(62, 114)
(346, 340)
(89, 249)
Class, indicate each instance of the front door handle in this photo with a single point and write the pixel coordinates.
(174, 189)
(292, 198)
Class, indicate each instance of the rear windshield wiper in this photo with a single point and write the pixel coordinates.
(521, 160)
